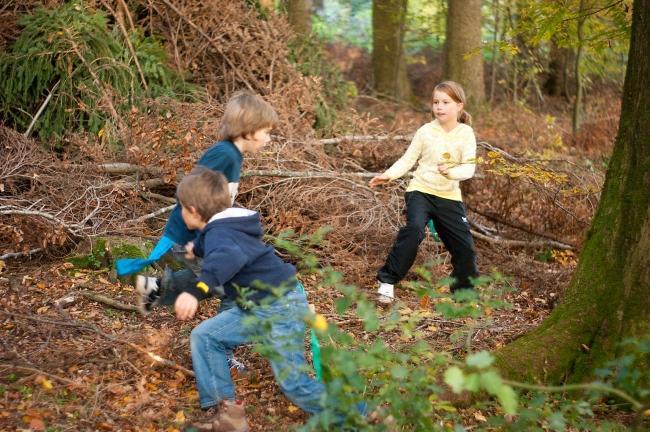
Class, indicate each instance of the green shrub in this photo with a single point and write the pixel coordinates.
(73, 53)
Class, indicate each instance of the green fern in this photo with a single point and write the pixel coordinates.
(72, 52)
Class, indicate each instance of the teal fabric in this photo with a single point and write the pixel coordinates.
(127, 266)
(315, 347)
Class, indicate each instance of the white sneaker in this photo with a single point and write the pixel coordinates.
(386, 292)
(148, 293)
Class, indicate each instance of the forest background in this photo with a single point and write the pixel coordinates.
(106, 104)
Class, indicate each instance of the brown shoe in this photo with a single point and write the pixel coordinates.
(229, 417)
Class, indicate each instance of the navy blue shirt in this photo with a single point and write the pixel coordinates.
(224, 157)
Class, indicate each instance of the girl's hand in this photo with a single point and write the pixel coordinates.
(185, 306)
(378, 180)
(189, 251)
(443, 168)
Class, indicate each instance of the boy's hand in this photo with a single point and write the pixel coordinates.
(378, 180)
(185, 306)
(189, 251)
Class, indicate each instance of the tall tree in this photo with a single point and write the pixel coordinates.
(299, 12)
(607, 299)
(388, 56)
(464, 62)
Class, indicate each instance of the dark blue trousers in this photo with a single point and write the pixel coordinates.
(453, 228)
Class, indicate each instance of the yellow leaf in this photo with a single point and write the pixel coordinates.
(3, 265)
(320, 323)
(180, 417)
(47, 384)
(292, 409)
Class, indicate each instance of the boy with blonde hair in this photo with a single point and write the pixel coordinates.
(244, 128)
(259, 283)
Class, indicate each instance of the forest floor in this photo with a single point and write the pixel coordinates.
(83, 365)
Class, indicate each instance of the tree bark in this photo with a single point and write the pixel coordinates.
(607, 300)
(388, 56)
(299, 12)
(464, 62)
(555, 84)
(577, 106)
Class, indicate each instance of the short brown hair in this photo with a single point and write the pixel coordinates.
(205, 190)
(457, 94)
(245, 114)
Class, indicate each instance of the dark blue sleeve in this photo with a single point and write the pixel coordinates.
(225, 158)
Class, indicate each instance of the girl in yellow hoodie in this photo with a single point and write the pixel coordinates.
(445, 150)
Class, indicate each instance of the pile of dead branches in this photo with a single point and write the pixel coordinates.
(228, 46)
(46, 203)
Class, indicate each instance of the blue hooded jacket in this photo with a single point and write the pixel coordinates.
(235, 256)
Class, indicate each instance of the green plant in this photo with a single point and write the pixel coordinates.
(97, 258)
(70, 63)
(388, 365)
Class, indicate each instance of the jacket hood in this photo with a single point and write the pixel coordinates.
(239, 219)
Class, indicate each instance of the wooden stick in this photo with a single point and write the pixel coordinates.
(41, 109)
(125, 33)
(19, 254)
(40, 372)
(522, 243)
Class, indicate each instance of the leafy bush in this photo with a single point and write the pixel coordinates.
(396, 374)
(74, 56)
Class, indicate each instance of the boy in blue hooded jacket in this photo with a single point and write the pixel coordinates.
(259, 283)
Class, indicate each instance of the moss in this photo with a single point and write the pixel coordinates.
(98, 258)
(125, 250)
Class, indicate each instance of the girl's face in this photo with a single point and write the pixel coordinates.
(445, 108)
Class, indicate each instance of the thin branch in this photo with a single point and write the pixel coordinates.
(125, 33)
(20, 254)
(569, 387)
(41, 109)
(93, 296)
(153, 214)
(40, 372)
(522, 243)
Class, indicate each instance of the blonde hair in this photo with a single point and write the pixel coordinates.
(244, 114)
(456, 92)
(205, 190)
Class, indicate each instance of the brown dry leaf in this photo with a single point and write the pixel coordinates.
(36, 424)
(478, 415)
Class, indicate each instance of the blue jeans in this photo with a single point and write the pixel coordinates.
(280, 327)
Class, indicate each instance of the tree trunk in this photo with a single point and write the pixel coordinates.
(388, 59)
(495, 49)
(608, 298)
(577, 106)
(464, 62)
(555, 84)
(299, 12)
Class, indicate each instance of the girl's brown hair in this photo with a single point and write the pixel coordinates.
(205, 190)
(456, 92)
(245, 114)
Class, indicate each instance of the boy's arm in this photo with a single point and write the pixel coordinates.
(406, 162)
(220, 265)
(467, 165)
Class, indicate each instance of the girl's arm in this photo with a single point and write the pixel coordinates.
(406, 162)
(463, 169)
